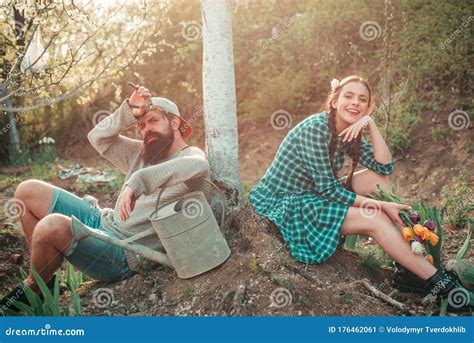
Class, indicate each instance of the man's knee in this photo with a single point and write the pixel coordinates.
(35, 196)
(53, 229)
(29, 189)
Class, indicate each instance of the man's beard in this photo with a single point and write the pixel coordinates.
(156, 145)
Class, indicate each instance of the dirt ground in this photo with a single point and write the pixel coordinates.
(260, 277)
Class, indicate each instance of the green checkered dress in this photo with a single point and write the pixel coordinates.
(300, 194)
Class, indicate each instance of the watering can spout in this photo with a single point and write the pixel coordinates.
(82, 231)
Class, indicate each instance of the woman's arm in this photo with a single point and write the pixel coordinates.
(381, 152)
(375, 156)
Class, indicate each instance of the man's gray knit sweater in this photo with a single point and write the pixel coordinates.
(179, 175)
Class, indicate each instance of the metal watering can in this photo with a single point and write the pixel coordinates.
(188, 230)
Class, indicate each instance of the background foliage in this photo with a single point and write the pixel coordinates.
(286, 52)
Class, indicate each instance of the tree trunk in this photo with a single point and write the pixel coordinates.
(220, 116)
(14, 138)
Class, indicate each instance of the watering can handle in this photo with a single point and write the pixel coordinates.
(212, 184)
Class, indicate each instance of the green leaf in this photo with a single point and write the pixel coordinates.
(24, 308)
(13, 313)
(465, 247)
(24, 274)
(33, 298)
(76, 303)
(70, 280)
(351, 242)
(430, 309)
(56, 297)
(444, 307)
(48, 297)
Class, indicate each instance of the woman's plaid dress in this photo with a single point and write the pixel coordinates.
(300, 194)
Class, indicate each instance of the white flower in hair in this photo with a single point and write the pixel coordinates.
(334, 84)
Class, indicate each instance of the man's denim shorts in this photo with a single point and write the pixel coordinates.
(98, 259)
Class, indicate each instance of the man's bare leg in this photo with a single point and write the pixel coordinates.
(51, 237)
(35, 197)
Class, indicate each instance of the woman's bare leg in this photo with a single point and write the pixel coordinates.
(380, 227)
(365, 182)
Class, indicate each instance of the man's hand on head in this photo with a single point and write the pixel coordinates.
(139, 98)
(127, 203)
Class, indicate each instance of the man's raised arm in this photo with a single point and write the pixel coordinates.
(106, 138)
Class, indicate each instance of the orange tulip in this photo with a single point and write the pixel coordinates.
(434, 238)
(426, 234)
(418, 229)
(407, 233)
(430, 259)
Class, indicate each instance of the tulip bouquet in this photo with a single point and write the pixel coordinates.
(422, 227)
(424, 230)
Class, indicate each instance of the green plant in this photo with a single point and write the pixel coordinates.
(425, 213)
(254, 267)
(188, 292)
(465, 247)
(464, 268)
(50, 304)
(6, 232)
(43, 171)
(351, 242)
(390, 196)
(119, 180)
(399, 139)
(73, 279)
(246, 189)
(438, 133)
(373, 259)
(45, 154)
(21, 158)
(458, 201)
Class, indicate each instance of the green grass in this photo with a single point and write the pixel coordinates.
(188, 292)
(47, 171)
(51, 304)
(44, 171)
(458, 202)
(438, 134)
(373, 259)
(246, 186)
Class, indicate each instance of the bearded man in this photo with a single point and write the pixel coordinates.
(162, 161)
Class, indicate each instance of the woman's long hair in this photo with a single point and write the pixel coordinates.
(355, 151)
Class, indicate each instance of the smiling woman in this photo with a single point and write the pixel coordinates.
(302, 195)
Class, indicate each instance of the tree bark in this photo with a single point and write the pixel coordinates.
(220, 117)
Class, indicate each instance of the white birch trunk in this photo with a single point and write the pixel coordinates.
(220, 116)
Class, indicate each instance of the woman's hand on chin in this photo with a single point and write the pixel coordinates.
(354, 129)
